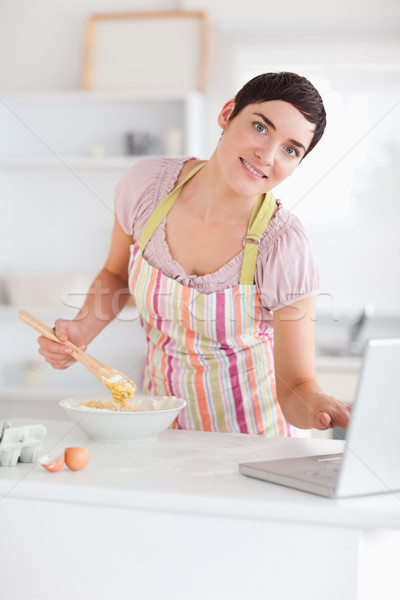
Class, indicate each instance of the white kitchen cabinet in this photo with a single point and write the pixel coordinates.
(177, 520)
(62, 154)
(85, 129)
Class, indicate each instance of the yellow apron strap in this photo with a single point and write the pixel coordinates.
(263, 210)
(162, 210)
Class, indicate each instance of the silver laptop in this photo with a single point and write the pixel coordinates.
(370, 462)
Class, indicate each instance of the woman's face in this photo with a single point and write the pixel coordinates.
(262, 145)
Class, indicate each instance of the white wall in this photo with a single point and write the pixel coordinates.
(41, 41)
(268, 17)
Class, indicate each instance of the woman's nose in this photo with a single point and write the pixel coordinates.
(266, 154)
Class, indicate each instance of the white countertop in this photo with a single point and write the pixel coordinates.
(193, 473)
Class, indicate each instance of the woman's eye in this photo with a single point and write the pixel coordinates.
(259, 127)
(291, 151)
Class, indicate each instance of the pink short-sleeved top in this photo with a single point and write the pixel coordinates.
(286, 268)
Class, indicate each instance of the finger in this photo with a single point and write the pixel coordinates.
(338, 416)
(342, 415)
(324, 421)
(61, 365)
(55, 356)
(52, 347)
(61, 330)
(57, 361)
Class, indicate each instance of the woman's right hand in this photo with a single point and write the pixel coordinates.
(59, 355)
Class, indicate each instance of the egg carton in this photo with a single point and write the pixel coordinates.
(20, 443)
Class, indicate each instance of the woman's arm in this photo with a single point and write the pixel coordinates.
(109, 292)
(106, 297)
(303, 402)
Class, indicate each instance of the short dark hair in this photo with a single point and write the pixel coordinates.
(288, 87)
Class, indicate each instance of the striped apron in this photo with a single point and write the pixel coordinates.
(214, 350)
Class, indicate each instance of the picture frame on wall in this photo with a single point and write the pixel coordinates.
(164, 50)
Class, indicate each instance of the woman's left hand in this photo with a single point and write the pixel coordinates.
(303, 402)
(325, 412)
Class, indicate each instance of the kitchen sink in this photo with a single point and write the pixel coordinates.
(347, 336)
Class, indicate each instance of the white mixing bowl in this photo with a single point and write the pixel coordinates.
(154, 415)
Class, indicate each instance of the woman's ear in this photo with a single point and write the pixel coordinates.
(225, 113)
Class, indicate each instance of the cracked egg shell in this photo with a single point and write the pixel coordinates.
(52, 464)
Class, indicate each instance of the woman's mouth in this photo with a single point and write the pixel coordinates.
(252, 169)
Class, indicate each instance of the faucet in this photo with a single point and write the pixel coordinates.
(356, 327)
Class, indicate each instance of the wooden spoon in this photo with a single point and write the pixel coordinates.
(108, 376)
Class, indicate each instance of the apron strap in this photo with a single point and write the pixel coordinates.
(162, 210)
(263, 210)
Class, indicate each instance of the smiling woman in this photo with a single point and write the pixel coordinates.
(223, 276)
(262, 135)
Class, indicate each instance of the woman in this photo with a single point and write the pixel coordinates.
(223, 276)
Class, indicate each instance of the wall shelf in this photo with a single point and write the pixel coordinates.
(42, 126)
(97, 96)
(83, 163)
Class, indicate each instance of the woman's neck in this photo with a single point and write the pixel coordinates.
(212, 197)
